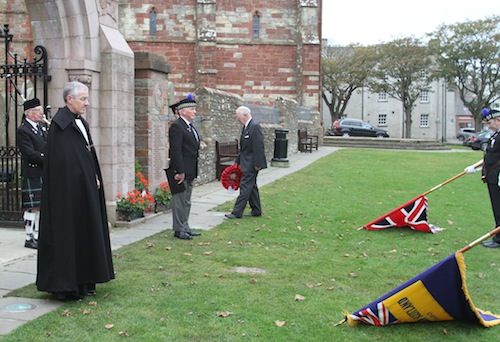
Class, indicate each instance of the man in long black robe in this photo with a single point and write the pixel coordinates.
(74, 250)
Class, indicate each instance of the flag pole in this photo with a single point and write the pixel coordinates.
(476, 242)
(476, 165)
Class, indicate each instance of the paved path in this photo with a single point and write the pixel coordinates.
(18, 264)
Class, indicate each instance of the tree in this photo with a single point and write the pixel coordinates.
(403, 71)
(468, 56)
(344, 69)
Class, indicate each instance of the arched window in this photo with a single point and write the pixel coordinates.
(152, 22)
(256, 25)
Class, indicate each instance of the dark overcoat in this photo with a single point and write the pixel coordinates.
(74, 246)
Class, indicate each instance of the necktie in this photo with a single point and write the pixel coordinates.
(39, 129)
(193, 131)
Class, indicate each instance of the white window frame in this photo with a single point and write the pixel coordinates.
(382, 120)
(424, 96)
(424, 120)
(382, 97)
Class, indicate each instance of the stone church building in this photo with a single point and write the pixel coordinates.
(138, 58)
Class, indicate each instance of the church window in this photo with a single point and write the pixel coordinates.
(152, 22)
(256, 25)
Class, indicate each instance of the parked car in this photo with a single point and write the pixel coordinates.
(356, 128)
(481, 141)
(465, 133)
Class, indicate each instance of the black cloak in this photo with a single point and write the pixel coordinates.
(73, 246)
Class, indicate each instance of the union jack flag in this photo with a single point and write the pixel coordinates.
(437, 294)
(412, 214)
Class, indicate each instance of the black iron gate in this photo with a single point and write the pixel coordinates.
(22, 79)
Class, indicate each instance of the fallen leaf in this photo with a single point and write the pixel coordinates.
(123, 333)
(207, 253)
(168, 248)
(279, 323)
(353, 275)
(150, 245)
(85, 311)
(93, 303)
(187, 254)
(481, 275)
(66, 313)
(223, 313)
(299, 297)
(109, 326)
(222, 276)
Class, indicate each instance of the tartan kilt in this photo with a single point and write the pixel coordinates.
(31, 193)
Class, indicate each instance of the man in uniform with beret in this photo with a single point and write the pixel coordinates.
(31, 142)
(491, 169)
(184, 143)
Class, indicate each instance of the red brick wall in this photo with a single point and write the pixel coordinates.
(260, 70)
(15, 14)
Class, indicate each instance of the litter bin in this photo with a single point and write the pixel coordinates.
(280, 148)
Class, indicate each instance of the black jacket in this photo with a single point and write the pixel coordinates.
(183, 149)
(31, 146)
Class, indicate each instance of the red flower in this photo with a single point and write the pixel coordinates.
(231, 177)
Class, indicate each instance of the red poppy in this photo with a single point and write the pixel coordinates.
(231, 177)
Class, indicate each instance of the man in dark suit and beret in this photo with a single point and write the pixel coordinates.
(491, 169)
(252, 159)
(31, 137)
(184, 143)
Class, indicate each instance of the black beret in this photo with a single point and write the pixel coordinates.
(31, 104)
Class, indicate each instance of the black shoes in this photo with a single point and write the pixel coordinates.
(253, 215)
(183, 235)
(491, 244)
(194, 233)
(233, 216)
(31, 244)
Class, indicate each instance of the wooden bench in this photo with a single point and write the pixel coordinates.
(226, 153)
(307, 142)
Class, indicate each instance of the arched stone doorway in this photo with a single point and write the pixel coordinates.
(83, 43)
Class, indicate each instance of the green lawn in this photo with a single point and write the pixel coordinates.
(307, 243)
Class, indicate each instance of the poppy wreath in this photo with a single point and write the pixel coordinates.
(231, 177)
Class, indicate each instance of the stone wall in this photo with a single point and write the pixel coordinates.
(216, 121)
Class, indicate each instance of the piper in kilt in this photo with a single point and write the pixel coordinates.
(31, 136)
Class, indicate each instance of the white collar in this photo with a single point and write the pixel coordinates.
(33, 123)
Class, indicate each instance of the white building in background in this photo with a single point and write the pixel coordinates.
(437, 115)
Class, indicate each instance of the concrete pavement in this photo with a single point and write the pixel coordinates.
(18, 264)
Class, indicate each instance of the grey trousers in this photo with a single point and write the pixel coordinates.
(249, 193)
(181, 207)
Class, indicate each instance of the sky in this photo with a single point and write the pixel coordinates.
(371, 22)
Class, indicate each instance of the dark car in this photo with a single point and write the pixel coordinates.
(356, 128)
(481, 141)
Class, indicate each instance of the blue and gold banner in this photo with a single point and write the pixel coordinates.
(437, 294)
